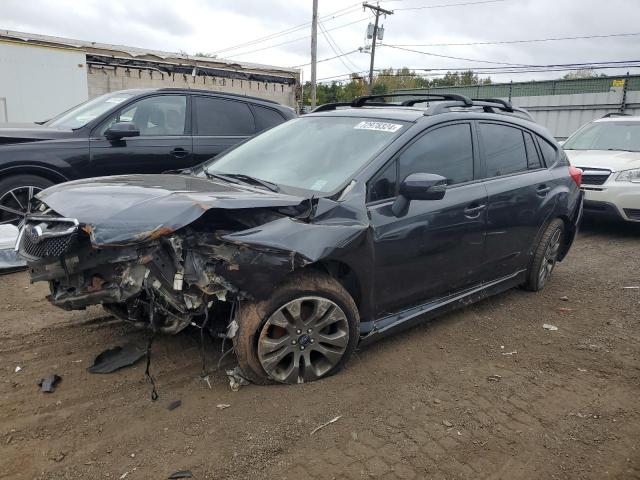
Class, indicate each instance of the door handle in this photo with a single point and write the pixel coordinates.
(542, 190)
(473, 210)
(179, 152)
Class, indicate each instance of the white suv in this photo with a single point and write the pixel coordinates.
(608, 152)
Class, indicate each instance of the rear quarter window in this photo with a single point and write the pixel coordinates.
(549, 152)
(266, 117)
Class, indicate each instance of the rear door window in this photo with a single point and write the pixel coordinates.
(446, 151)
(504, 149)
(221, 117)
(266, 118)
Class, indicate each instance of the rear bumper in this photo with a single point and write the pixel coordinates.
(616, 200)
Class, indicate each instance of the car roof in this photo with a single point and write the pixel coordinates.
(140, 91)
(407, 114)
(619, 118)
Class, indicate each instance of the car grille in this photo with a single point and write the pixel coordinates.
(49, 247)
(47, 236)
(592, 176)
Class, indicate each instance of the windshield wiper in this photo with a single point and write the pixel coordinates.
(242, 178)
(252, 180)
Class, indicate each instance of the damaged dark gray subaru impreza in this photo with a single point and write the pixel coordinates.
(320, 234)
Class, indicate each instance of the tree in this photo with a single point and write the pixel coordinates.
(387, 81)
(583, 73)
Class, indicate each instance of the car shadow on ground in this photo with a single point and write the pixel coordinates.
(618, 229)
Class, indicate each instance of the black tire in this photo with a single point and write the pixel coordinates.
(19, 184)
(545, 256)
(316, 296)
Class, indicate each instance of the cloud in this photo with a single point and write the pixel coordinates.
(210, 26)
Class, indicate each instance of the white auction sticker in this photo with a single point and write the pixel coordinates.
(115, 100)
(379, 126)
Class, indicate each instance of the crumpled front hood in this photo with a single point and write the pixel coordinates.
(128, 209)
(615, 161)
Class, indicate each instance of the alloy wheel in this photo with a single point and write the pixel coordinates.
(550, 257)
(16, 203)
(303, 340)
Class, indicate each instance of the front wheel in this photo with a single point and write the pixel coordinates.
(307, 330)
(16, 195)
(545, 256)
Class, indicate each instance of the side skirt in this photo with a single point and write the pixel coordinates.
(380, 328)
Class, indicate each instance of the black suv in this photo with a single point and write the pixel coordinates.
(130, 131)
(323, 233)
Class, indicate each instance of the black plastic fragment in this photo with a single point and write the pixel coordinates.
(174, 405)
(48, 384)
(181, 474)
(115, 358)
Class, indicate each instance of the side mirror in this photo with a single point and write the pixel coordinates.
(120, 130)
(423, 186)
(419, 186)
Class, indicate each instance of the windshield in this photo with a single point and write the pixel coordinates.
(309, 153)
(82, 114)
(606, 136)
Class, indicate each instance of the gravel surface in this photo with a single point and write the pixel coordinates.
(484, 392)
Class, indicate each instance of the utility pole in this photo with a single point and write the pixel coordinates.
(378, 11)
(314, 52)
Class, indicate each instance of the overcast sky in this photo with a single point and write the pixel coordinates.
(216, 25)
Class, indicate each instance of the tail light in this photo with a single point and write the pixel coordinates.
(576, 174)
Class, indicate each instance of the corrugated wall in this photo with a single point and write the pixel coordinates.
(560, 105)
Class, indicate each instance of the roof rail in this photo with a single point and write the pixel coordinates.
(445, 101)
(507, 105)
(361, 101)
(617, 114)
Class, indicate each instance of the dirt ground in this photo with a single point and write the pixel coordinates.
(422, 404)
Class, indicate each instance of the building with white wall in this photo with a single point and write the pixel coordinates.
(41, 76)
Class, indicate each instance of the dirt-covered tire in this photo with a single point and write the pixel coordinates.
(15, 194)
(545, 256)
(305, 331)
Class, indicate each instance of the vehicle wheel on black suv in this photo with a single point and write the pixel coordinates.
(307, 330)
(545, 256)
(16, 193)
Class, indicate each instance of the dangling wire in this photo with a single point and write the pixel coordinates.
(154, 393)
(202, 328)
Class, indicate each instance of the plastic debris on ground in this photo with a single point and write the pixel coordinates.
(550, 327)
(174, 405)
(116, 358)
(181, 474)
(18, 368)
(236, 380)
(494, 378)
(222, 406)
(49, 383)
(320, 427)
(9, 260)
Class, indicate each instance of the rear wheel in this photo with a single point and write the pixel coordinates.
(16, 193)
(307, 330)
(545, 256)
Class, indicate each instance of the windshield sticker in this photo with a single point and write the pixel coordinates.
(378, 126)
(318, 185)
(115, 100)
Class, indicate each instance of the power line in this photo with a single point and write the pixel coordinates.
(452, 57)
(503, 70)
(424, 7)
(330, 16)
(337, 50)
(330, 58)
(501, 42)
(297, 39)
